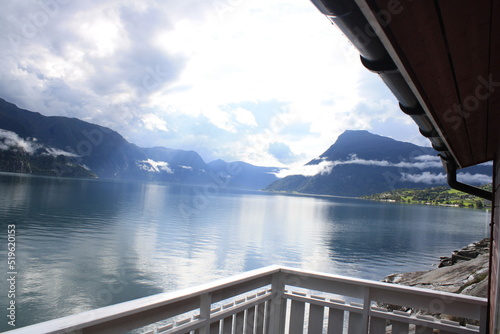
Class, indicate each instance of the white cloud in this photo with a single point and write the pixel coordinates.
(428, 158)
(431, 178)
(56, 152)
(11, 141)
(155, 166)
(477, 179)
(244, 116)
(423, 162)
(220, 118)
(425, 177)
(153, 122)
(325, 166)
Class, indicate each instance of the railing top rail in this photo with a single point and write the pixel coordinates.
(381, 285)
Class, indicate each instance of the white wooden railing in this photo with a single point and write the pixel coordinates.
(282, 300)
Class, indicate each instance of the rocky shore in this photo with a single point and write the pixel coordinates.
(465, 272)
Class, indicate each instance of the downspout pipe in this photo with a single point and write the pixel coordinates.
(451, 171)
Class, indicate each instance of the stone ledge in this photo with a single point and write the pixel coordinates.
(467, 275)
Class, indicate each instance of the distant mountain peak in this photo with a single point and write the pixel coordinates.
(366, 145)
(362, 137)
(217, 162)
(362, 163)
(356, 132)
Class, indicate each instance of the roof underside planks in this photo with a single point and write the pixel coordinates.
(451, 52)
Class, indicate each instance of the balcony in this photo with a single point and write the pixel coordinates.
(282, 300)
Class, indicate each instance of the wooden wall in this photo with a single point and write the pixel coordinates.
(494, 297)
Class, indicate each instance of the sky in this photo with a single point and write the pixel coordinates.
(268, 82)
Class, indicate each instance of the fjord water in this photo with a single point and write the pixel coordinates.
(83, 244)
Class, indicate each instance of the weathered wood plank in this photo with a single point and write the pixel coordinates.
(400, 327)
(335, 321)
(316, 317)
(239, 323)
(423, 330)
(355, 323)
(250, 320)
(227, 325)
(377, 325)
(297, 317)
(215, 327)
(261, 315)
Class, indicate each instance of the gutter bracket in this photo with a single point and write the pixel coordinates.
(451, 171)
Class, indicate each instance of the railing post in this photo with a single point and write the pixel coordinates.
(277, 311)
(205, 305)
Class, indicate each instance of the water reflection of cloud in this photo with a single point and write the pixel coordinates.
(248, 232)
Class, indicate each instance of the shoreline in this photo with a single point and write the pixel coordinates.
(365, 198)
(464, 272)
(486, 208)
(295, 193)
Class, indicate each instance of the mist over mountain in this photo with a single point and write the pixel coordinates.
(62, 146)
(360, 163)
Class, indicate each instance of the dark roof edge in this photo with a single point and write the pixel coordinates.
(349, 18)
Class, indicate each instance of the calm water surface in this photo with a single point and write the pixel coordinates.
(83, 244)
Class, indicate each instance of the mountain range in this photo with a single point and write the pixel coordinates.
(62, 146)
(359, 163)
